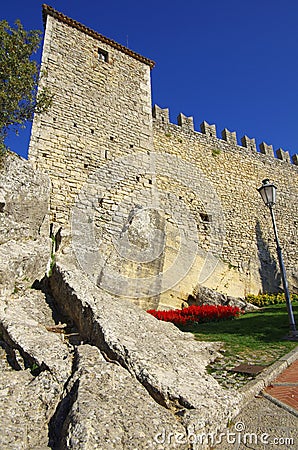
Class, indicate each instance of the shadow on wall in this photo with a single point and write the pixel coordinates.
(269, 272)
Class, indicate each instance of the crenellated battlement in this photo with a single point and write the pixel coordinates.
(266, 149)
(161, 115)
(229, 136)
(209, 130)
(283, 155)
(185, 122)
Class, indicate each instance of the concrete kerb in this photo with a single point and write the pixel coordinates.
(263, 380)
(280, 404)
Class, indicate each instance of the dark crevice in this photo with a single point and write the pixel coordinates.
(71, 332)
(58, 420)
(91, 333)
(42, 285)
(28, 361)
(10, 355)
(67, 308)
(70, 391)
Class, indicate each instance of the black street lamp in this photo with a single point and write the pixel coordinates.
(268, 194)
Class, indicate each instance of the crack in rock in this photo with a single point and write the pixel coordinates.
(28, 401)
(169, 363)
(107, 408)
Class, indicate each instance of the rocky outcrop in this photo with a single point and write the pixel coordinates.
(35, 362)
(40, 364)
(170, 364)
(110, 409)
(26, 403)
(26, 324)
(81, 368)
(203, 295)
(140, 384)
(53, 395)
(24, 224)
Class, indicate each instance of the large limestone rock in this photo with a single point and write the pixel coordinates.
(25, 321)
(111, 410)
(27, 404)
(169, 363)
(122, 271)
(24, 225)
(203, 295)
(28, 401)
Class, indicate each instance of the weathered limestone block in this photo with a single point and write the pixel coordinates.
(203, 295)
(23, 322)
(169, 363)
(112, 410)
(138, 259)
(26, 404)
(27, 262)
(24, 225)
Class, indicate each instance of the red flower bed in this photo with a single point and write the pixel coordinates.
(199, 314)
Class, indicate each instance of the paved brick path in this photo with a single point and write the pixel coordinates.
(269, 422)
(285, 387)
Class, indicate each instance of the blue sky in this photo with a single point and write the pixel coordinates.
(232, 63)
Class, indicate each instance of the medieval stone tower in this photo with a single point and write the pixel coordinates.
(101, 109)
(170, 206)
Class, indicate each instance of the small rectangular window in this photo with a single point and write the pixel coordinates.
(103, 55)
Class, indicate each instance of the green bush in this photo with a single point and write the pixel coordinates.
(269, 299)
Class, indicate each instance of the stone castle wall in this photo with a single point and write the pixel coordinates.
(235, 172)
(191, 195)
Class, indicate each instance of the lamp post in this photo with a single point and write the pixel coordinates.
(268, 194)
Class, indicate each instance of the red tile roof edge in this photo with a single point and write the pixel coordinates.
(48, 10)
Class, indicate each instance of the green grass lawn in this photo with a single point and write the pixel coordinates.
(257, 337)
